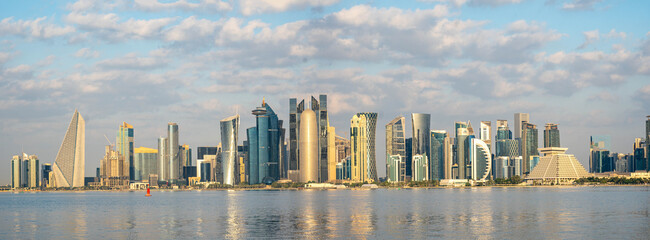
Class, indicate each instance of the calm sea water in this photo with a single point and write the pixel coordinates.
(468, 213)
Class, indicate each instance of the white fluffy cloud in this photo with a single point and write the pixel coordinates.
(37, 28)
(252, 7)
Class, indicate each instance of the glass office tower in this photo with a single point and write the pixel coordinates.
(229, 132)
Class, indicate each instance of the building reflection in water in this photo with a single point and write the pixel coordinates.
(362, 219)
(234, 220)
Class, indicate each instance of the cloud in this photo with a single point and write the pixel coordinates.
(212, 6)
(109, 26)
(603, 96)
(252, 7)
(590, 37)
(36, 28)
(86, 53)
(580, 5)
(133, 62)
(476, 3)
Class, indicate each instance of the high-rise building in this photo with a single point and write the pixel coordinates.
(331, 154)
(421, 127)
(420, 168)
(33, 170)
(113, 172)
(200, 151)
(16, 171)
(173, 152)
(395, 142)
(308, 147)
(481, 160)
(551, 135)
(145, 162)
(362, 140)
(647, 143)
(323, 132)
(269, 146)
(69, 165)
(396, 169)
(639, 162)
(448, 146)
(408, 161)
(229, 133)
(186, 156)
(460, 152)
(294, 128)
(253, 158)
(485, 134)
(125, 147)
(599, 159)
(206, 169)
(439, 154)
(163, 159)
(501, 167)
(45, 173)
(520, 118)
(342, 148)
(529, 144)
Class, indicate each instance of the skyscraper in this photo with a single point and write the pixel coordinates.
(439, 154)
(519, 119)
(421, 124)
(69, 166)
(639, 162)
(331, 154)
(146, 162)
(16, 171)
(551, 135)
(647, 143)
(186, 156)
(599, 149)
(200, 151)
(486, 133)
(45, 173)
(33, 170)
(294, 132)
(125, 147)
(460, 149)
(308, 147)
(529, 141)
(408, 161)
(395, 142)
(481, 160)
(173, 155)
(229, 132)
(253, 158)
(270, 143)
(163, 159)
(362, 140)
(113, 172)
(323, 127)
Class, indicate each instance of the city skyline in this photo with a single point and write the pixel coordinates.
(196, 64)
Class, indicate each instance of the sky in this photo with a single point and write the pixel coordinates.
(583, 64)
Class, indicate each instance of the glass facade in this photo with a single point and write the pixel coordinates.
(173, 152)
(529, 141)
(551, 136)
(253, 157)
(269, 146)
(420, 169)
(145, 163)
(438, 155)
(125, 147)
(395, 141)
(362, 139)
(229, 132)
(421, 130)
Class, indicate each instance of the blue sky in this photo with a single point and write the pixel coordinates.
(583, 64)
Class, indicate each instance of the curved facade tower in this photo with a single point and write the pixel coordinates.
(395, 144)
(481, 158)
(229, 132)
(70, 162)
(308, 142)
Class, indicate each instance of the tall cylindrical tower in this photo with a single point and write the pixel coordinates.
(308, 141)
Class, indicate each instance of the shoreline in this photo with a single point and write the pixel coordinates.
(320, 189)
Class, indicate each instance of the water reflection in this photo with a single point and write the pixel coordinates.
(510, 213)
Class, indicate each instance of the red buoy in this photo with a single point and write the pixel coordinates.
(148, 193)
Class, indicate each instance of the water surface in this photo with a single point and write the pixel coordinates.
(465, 213)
